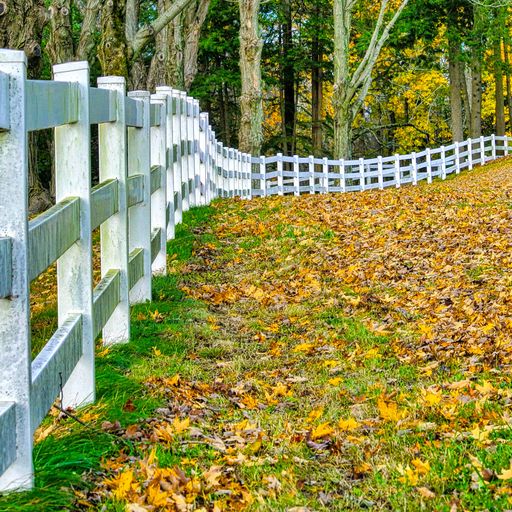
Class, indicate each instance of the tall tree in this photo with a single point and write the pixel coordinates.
(351, 86)
(251, 104)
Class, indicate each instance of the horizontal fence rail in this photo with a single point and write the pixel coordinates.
(158, 157)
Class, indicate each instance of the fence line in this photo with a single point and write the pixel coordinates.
(158, 157)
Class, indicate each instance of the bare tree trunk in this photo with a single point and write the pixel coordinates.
(288, 79)
(454, 56)
(508, 82)
(21, 28)
(87, 45)
(251, 105)
(475, 125)
(60, 43)
(112, 49)
(316, 89)
(351, 88)
(195, 17)
(500, 99)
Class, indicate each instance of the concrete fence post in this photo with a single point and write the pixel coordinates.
(74, 267)
(114, 231)
(16, 469)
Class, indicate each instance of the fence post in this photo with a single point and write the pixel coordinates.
(183, 143)
(362, 181)
(114, 231)
(204, 177)
(443, 163)
(398, 177)
(159, 197)
(505, 142)
(457, 158)
(482, 150)
(296, 180)
(197, 159)
(493, 146)
(414, 164)
(470, 154)
(140, 215)
(15, 356)
(170, 161)
(380, 173)
(325, 168)
(263, 180)
(343, 184)
(280, 184)
(311, 174)
(429, 166)
(74, 268)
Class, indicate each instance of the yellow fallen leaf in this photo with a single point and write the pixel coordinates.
(303, 347)
(506, 474)
(180, 426)
(389, 411)
(315, 414)
(322, 430)
(156, 352)
(421, 467)
(212, 476)
(348, 424)
(335, 381)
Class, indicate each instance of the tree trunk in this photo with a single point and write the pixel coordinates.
(316, 88)
(87, 45)
(454, 68)
(500, 100)
(251, 105)
(508, 82)
(288, 79)
(475, 125)
(21, 28)
(341, 102)
(60, 43)
(195, 17)
(112, 49)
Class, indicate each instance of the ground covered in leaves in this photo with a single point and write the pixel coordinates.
(328, 352)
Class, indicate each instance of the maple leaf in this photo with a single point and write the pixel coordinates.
(121, 485)
(506, 474)
(389, 411)
(348, 424)
(315, 414)
(421, 467)
(180, 426)
(335, 381)
(321, 431)
(212, 477)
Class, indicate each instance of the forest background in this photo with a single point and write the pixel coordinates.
(334, 78)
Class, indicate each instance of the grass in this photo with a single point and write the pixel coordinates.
(320, 366)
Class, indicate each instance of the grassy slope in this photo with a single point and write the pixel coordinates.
(335, 352)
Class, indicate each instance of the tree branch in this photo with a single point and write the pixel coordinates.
(147, 33)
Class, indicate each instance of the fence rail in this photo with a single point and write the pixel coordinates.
(158, 157)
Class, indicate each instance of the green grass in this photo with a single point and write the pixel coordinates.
(73, 450)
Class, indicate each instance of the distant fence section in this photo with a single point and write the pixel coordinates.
(158, 157)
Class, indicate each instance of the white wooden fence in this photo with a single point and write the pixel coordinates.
(158, 157)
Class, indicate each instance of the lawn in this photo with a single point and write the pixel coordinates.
(327, 352)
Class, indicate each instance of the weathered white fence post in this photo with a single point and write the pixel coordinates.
(232, 171)
(263, 180)
(159, 196)
(482, 150)
(74, 267)
(457, 158)
(362, 180)
(114, 231)
(177, 148)
(493, 146)
(296, 180)
(311, 174)
(470, 154)
(414, 164)
(15, 357)
(325, 169)
(380, 173)
(170, 163)
(183, 142)
(505, 143)
(429, 166)
(443, 163)
(280, 185)
(398, 178)
(343, 184)
(139, 162)
(204, 173)
(197, 159)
